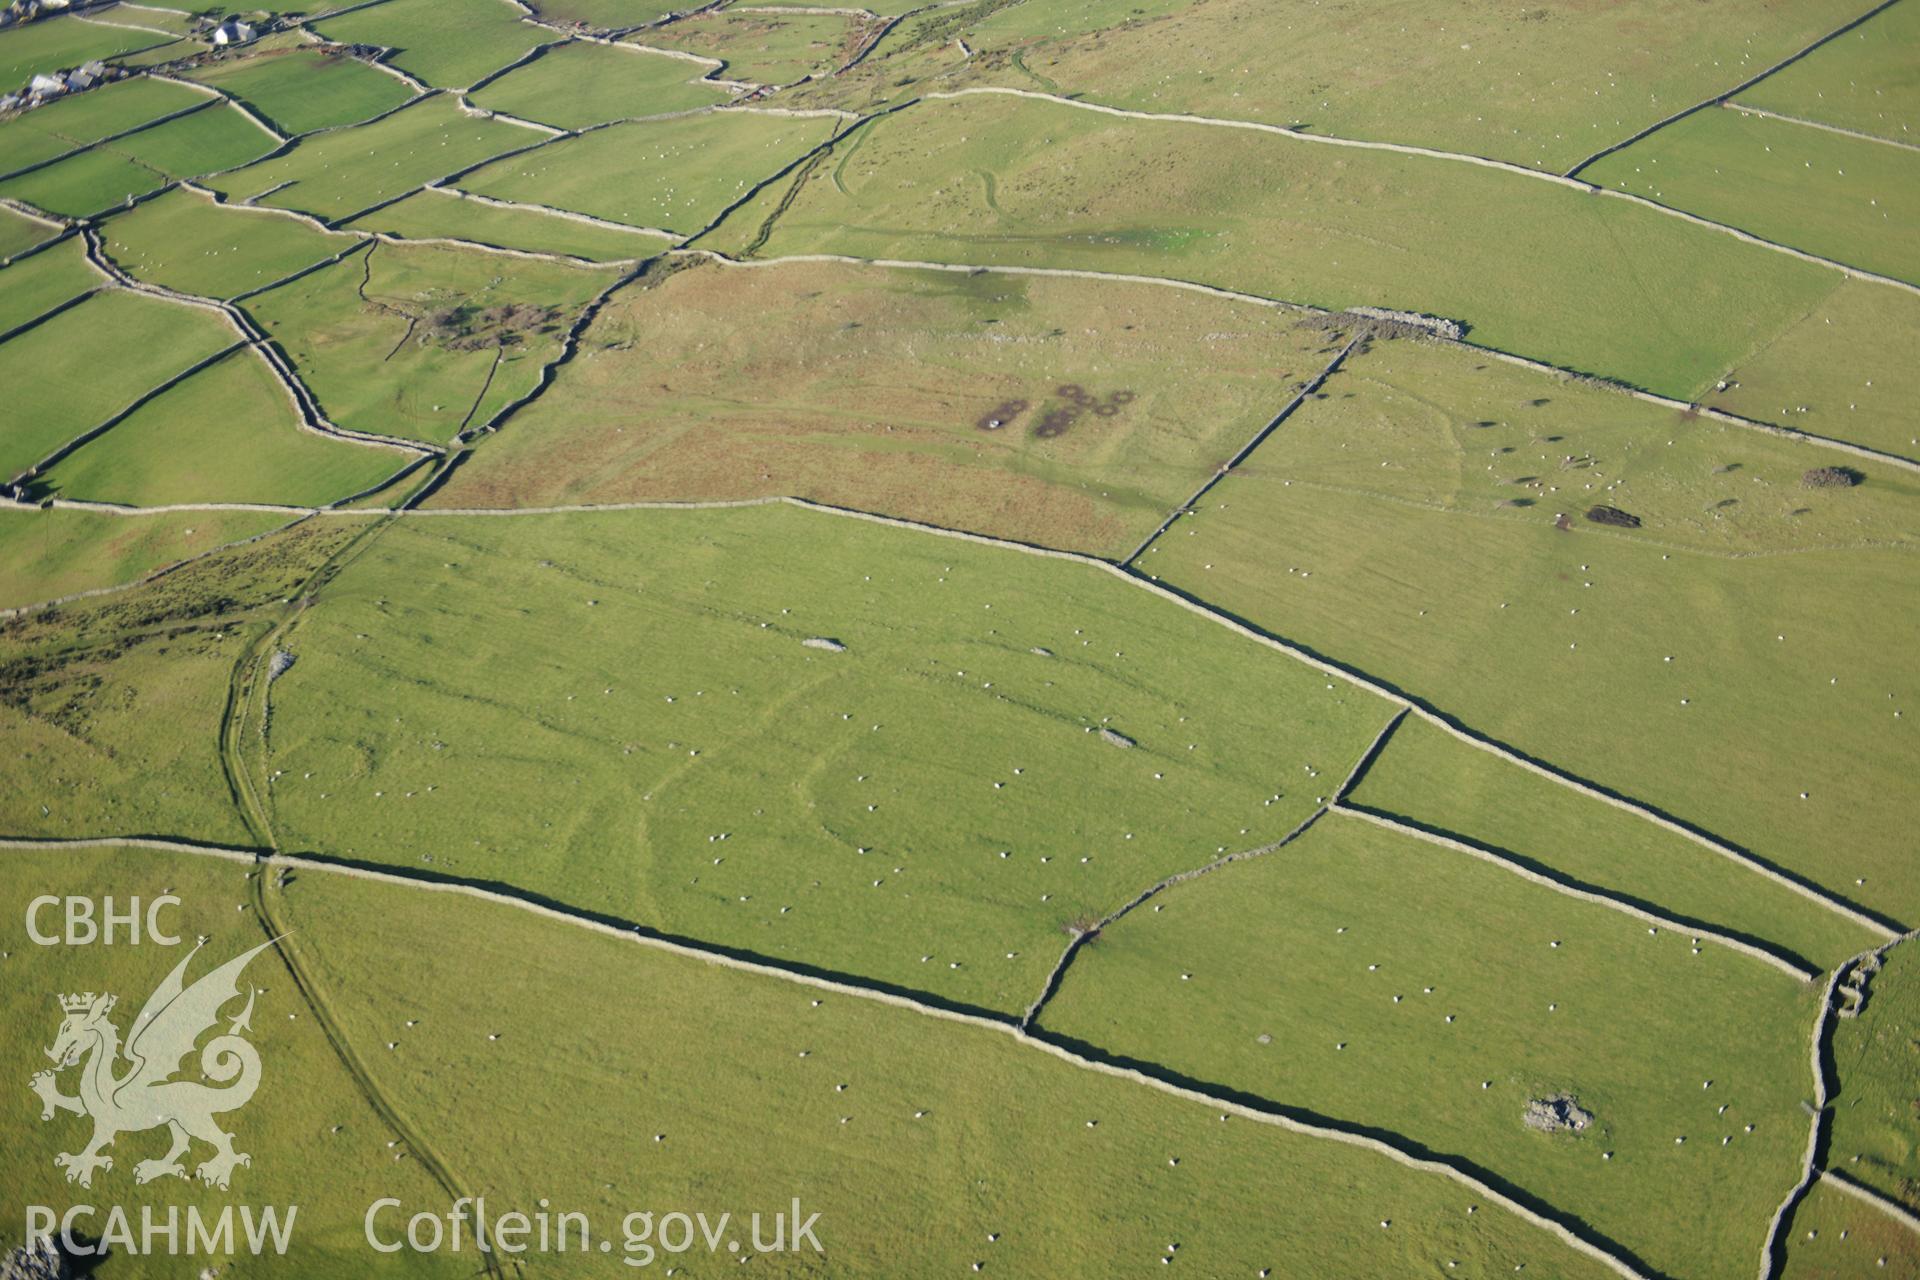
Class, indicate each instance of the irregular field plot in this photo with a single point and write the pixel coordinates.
(440, 213)
(1833, 1236)
(1849, 370)
(1373, 977)
(34, 286)
(130, 345)
(994, 179)
(673, 174)
(18, 233)
(1876, 1136)
(572, 86)
(936, 396)
(918, 1146)
(44, 554)
(1780, 680)
(449, 44)
(1853, 201)
(898, 810)
(53, 44)
(306, 1106)
(418, 340)
(227, 434)
(113, 706)
(185, 241)
(302, 89)
(66, 123)
(763, 48)
(1865, 80)
(91, 182)
(334, 175)
(1435, 781)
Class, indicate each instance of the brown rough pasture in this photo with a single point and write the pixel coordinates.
(878, 389)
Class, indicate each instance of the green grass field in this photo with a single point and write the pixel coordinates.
(227, 434)
(45, 554)
(1544, 87)
(1876, 1133)
(148, 341)
(1865, 80)
(448, 45)
(307, 1107)
(183, 240)
(1017, 182)
(304, 89)
(1435, 781)
(336, 175)
(435, 214)
(34, 286)
(869, 388)
(1849, 369)
(573, 86)
(763, 48)
(1853, 201)
(56, 43)
(418, 341)
(94, 181)
(113, 705)
(1321, 977)
(64, 124)
(1628, 657)
(941, 1135)
(84, 184)
(1835, 1237)
(893, 811)
(18, 233)
(645, 174)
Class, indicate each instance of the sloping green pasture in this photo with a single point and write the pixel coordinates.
(434, 214)
(227, 434)
(135, 342)
(185, 241)
(677, 175)
(1716, 662)
(1378, 979)
(304, 89)
(448, 44)
(931, 807)
(890, 1124)
(573, 86)
(1854, 201)
(1535, 268)
(334, 175)
(49, 553)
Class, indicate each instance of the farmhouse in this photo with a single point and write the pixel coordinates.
(232, 32)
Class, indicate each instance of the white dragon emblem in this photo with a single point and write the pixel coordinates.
(146, 1096)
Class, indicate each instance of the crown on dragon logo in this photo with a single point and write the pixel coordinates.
(80, 1002)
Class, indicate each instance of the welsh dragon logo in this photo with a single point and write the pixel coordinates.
(145, 1095)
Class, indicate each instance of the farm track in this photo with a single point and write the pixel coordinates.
(1296, 1120)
